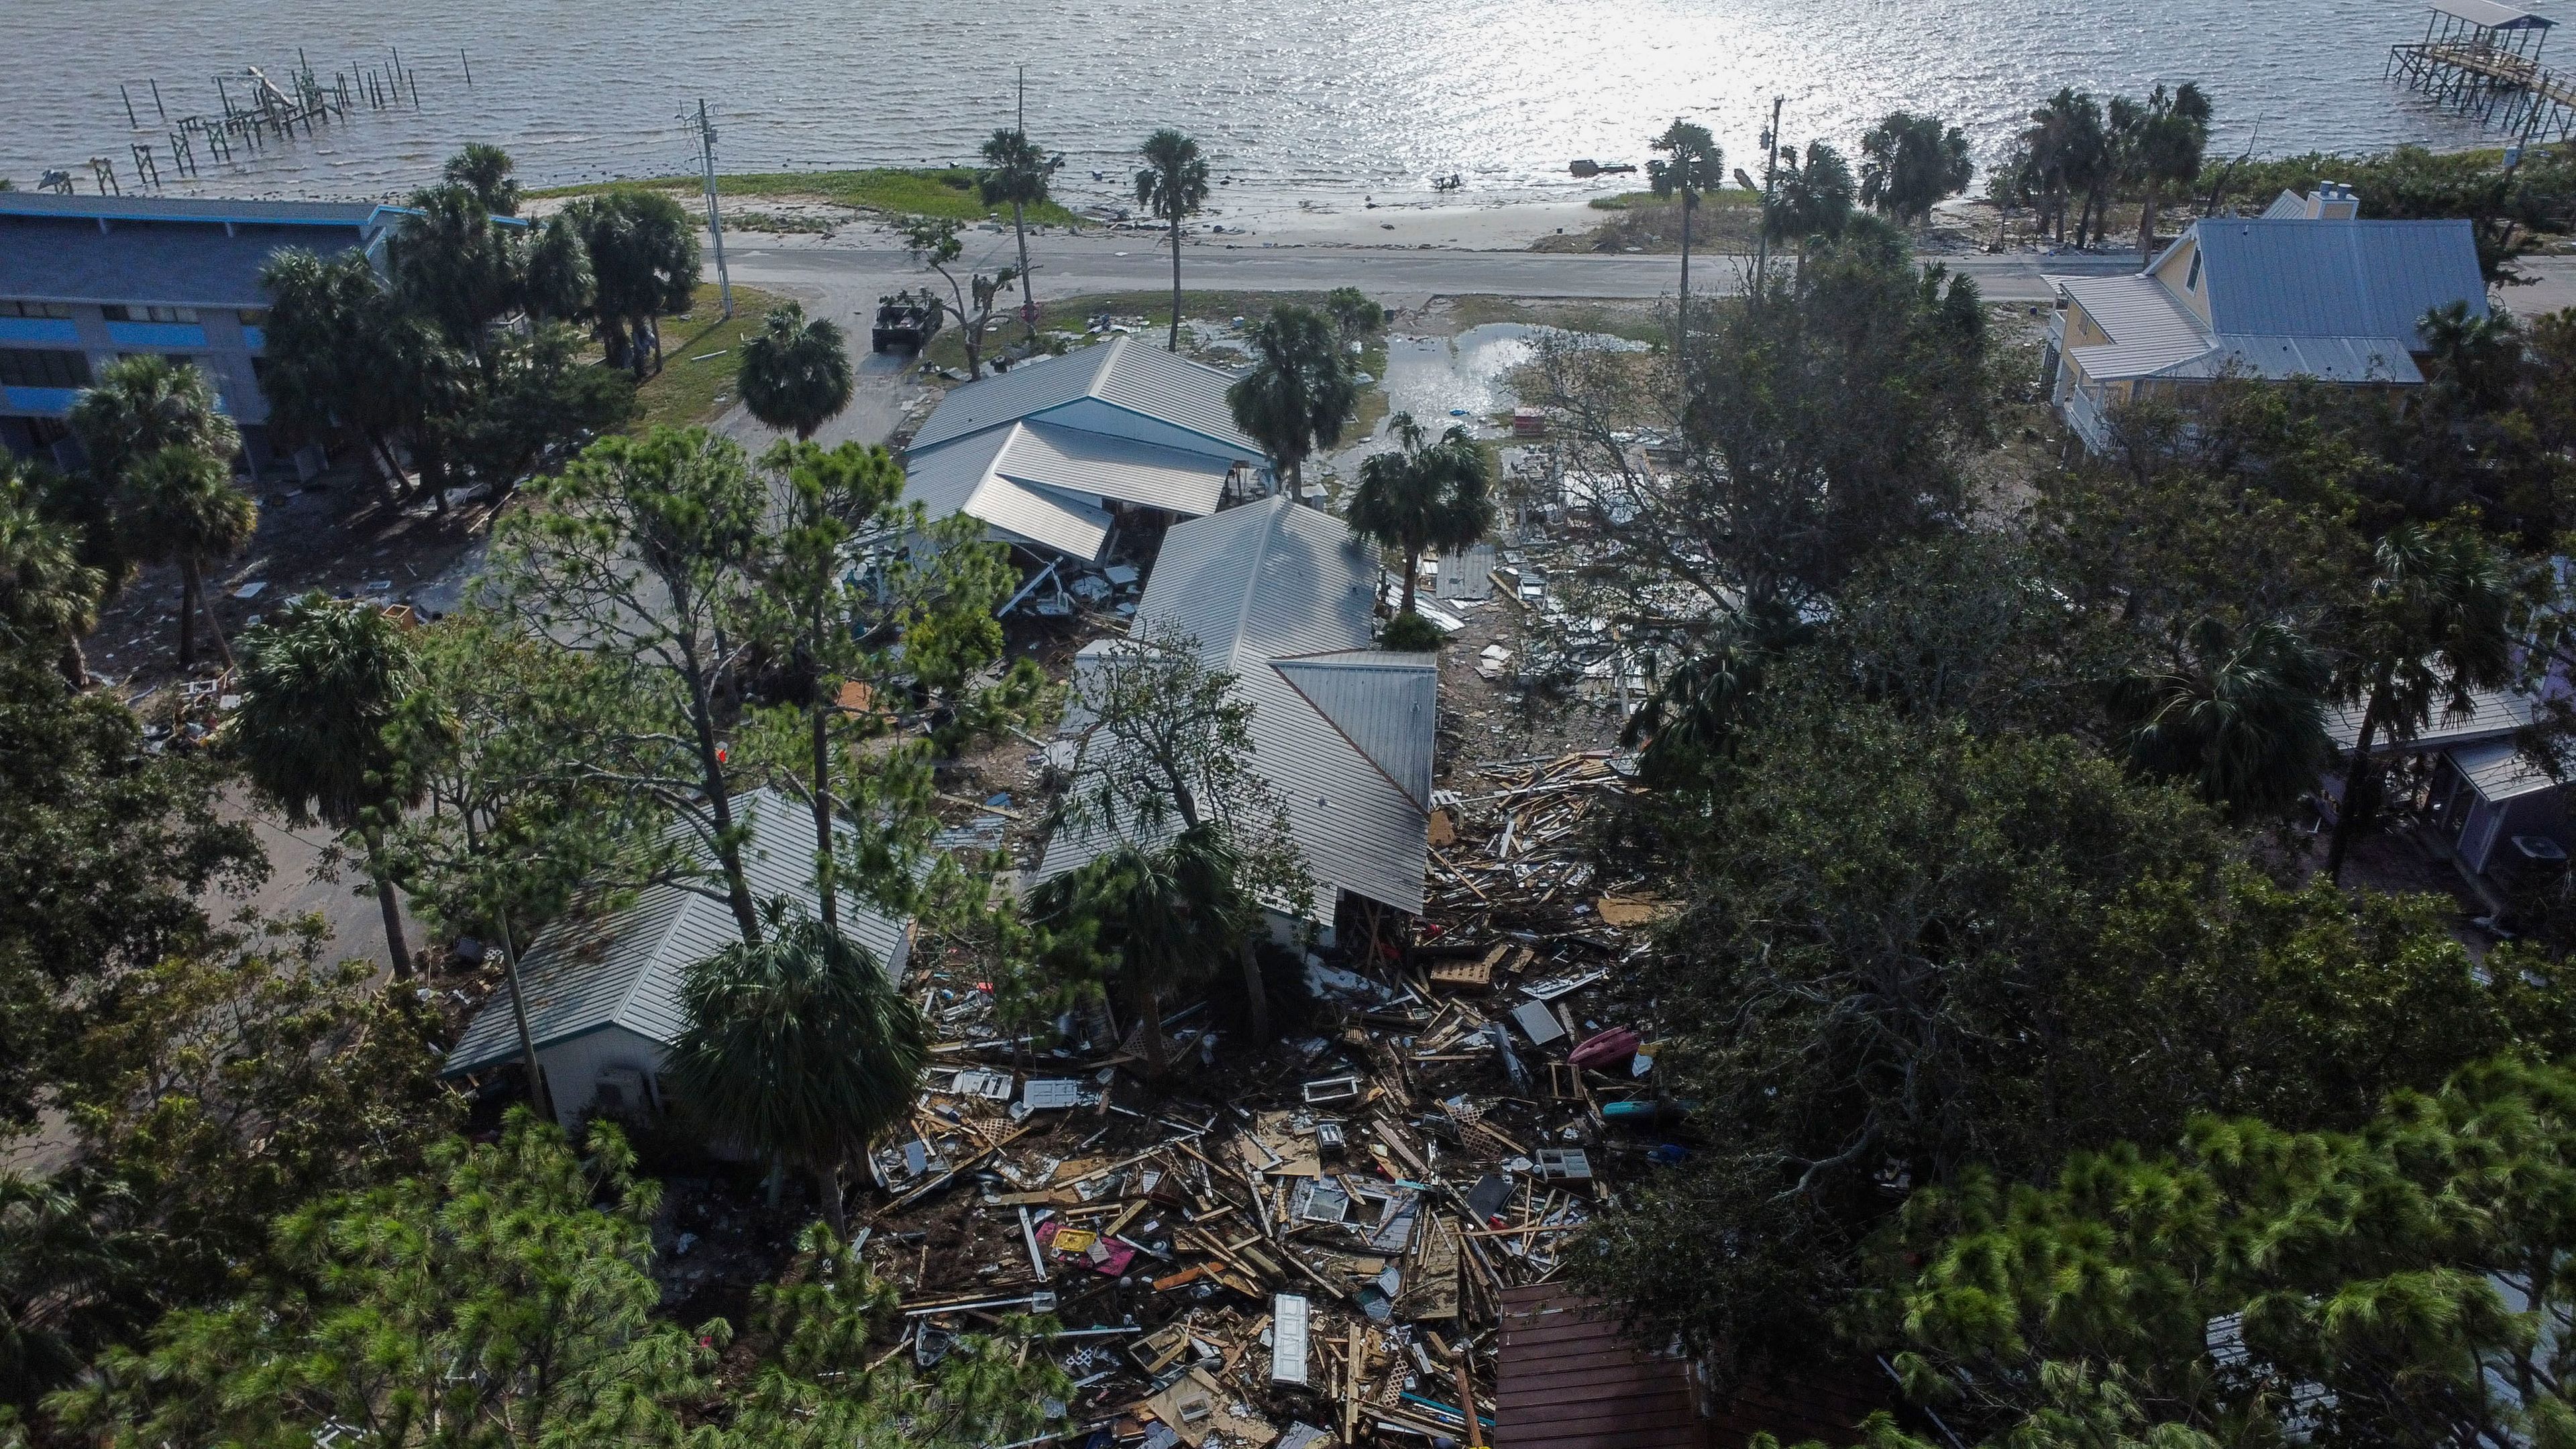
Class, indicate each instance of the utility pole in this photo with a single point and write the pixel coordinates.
(1681, 307)
(715, 216)
(1770, 165)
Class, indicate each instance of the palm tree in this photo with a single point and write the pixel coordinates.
(181, 507)
(2434, 630)
(1696, 163)
(1910, 162)
(2065, 141)
(643, 263)
(159, 447)
(795, 372)
(47, 595)
(1300, 391)
(1813, 196)
(486, 171)
(2479, 360)
(142, 404)
(2165, 149)
(451, 265)
(800, 1050)
(2239, 714)
(1423, 497)
(1017, 172)
(1153, 920)
(62, 1259)
(333, 344)
(1172, 184)
(555, 280)
(320, 684)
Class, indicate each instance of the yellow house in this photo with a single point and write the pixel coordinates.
(2307, 289)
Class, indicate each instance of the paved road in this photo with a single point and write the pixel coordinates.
(849, 278)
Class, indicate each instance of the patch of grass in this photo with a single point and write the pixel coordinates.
(778, 223)
(1373, 403)
(1720, 199)
(695, 384)
(1723, 222)
(1073, 314)
(945, 191)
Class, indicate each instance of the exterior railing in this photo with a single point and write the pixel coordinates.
(2091, 421)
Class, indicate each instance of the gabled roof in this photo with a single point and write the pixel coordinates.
(1123, 372)
(2301, 278)
(1283, 597)
(2499, 771)
(623, 968)
(2136, 311)
(2492, 714)
(966, 476)
(1386, 704)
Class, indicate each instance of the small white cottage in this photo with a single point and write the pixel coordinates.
(604, 988)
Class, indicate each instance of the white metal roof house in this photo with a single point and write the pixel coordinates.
(1051, 452)
(2305, 290)
(604, 988)
(1283, 597)
(2482, 790)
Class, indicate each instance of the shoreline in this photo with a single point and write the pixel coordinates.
(1492, 225)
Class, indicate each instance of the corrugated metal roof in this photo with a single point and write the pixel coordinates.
(192, 209)
(2328, 359)
(2135, 311)
(2299, 278)
(2145, 359)
(1144, 378)
(2499, 771)
(623, 968)
(2288, 206)
(2488, 15)
(966, 476)
(1270, 582)
(1387, 704)
(1121, 372)
(193, 264)
(2490, 713)
(1073, 461)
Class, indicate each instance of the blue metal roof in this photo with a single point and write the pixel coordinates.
(212, 210)
(67, 259)
(2301, 278)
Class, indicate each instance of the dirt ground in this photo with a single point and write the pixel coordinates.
(339, 533)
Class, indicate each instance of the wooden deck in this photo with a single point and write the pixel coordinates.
(2492, 82)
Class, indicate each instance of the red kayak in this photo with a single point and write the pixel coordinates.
(1607, 1050)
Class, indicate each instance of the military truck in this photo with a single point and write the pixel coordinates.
(906, 321)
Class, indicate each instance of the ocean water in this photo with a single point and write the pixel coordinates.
(1324, 98)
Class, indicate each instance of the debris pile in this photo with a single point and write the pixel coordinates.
(1321, 1259)
(1514, 861)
